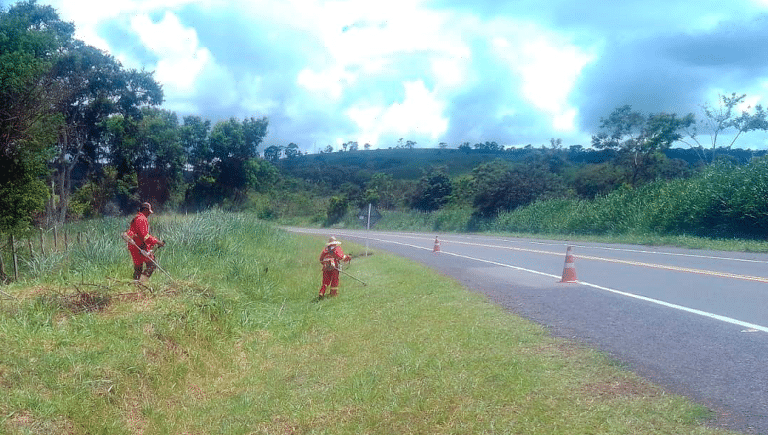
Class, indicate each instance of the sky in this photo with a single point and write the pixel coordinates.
(430, 71)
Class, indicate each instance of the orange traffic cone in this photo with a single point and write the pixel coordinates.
(569, 270)
(437, 245)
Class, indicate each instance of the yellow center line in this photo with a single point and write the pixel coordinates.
(629, 262)
(678, 268)
(612, 260)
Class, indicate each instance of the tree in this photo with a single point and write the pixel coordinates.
(489, 147)
(194, 137)
(222, 157)
(255, 130)
(292, 151)
(94, 86)
(21, 191)
(380, 190)
(409, 144)
(31, 40)
(337, 208)
(123, 154)
(162, 179)
(32, 37)
(261, 174)
(722, 119)
(350, 146)
(233, 145)
(500, 186)
(487, 179)
(640, 138)
(272, 153)
(463, 191)
(97, 196)
(433, 191)
(592, 180)
(227, 141)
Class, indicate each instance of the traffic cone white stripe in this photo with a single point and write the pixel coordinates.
(569, 270)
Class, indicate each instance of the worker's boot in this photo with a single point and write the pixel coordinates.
(150, 269)
(334, 291)
(137, 272)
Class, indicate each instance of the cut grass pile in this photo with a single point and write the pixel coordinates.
(234, 344)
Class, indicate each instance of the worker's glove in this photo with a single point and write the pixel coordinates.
(161, 243)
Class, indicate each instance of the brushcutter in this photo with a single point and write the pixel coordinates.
(345, 273)
(145, 254)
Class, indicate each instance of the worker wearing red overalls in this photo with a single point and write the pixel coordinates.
(139, 233)
(331, 259)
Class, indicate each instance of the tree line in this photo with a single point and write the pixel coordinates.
(488, 182)
(82, 136)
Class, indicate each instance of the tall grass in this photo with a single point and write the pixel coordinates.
(233, 344)
(724, 201)
(723, 207)
(446, 220)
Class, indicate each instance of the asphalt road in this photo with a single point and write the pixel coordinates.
(695, 322)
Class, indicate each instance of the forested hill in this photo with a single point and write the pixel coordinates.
(412, 164)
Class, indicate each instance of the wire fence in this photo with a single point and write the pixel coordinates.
(16, 250)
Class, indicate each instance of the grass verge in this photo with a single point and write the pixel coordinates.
(235, 345)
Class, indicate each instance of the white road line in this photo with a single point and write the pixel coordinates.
(599, 287)
(605, 248)
(645, 251)
(615, 260)
(680, 307)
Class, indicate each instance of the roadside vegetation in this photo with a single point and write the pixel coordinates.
(82, 137)
(723, 208)
(234, 344)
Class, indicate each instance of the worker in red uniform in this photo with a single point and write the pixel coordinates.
(331, 259)
(139, 233)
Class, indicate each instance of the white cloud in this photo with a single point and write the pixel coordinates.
(181, 60)
(547, 66)
(329, 83)
(420, 114)
(451, 72)
(89, 14)
(549, 71)
(480, 70)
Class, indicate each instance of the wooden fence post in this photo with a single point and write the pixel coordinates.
(42, 245)
(15, 259)
(55, 239)
(66, 240)
(3, 276)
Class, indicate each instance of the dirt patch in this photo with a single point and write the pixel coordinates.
(25, 421)
(86, 302)
(620, 388)
(93, 298)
